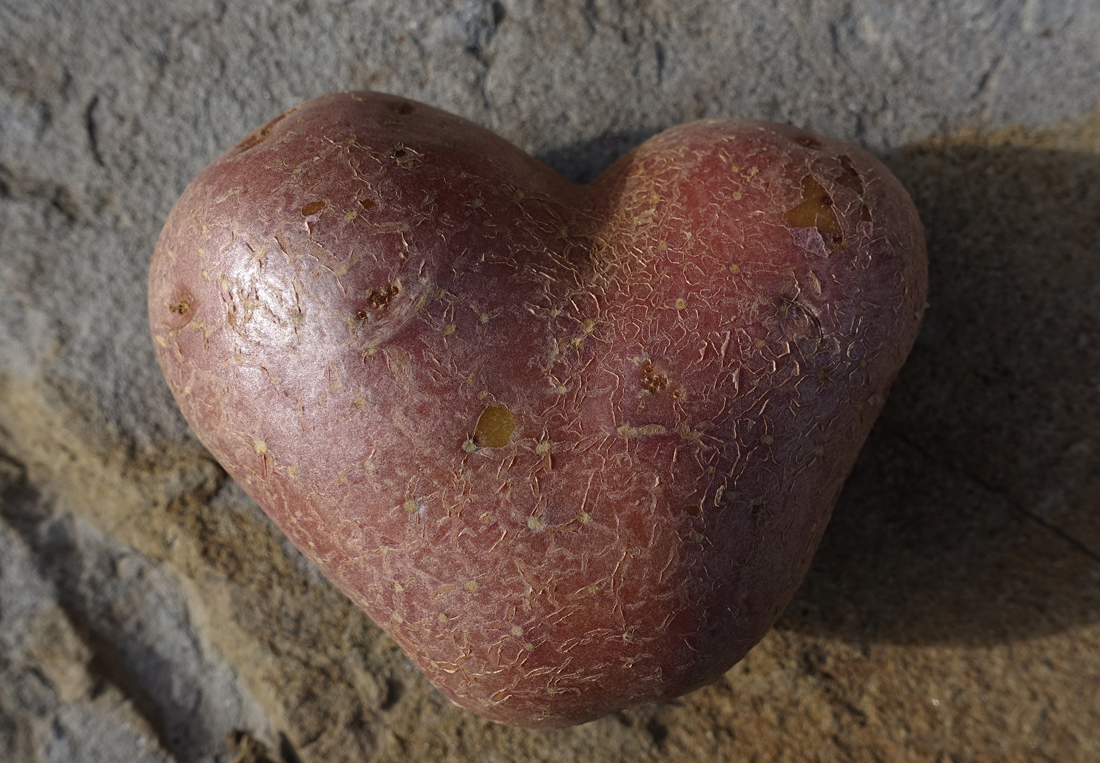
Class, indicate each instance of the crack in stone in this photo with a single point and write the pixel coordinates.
(92, 129)
(58, 196)
(949, 464)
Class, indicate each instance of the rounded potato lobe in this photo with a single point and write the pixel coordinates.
(572, 447)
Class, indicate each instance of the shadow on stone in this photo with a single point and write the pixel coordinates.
(583, 161)
(973, 513)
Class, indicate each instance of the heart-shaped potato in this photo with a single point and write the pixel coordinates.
(572, 447)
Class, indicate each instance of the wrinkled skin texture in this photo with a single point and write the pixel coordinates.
(572, 447)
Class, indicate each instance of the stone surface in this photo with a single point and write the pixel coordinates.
(148, 610)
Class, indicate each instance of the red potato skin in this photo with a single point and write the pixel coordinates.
(691, 349)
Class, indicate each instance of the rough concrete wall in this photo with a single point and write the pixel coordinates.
(148, 610)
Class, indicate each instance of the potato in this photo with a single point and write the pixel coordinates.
(572, 447)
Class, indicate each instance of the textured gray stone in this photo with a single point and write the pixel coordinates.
(99, 648)
(147, 608)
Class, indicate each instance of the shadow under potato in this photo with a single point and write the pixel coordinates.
(583, 161)
(973, 512)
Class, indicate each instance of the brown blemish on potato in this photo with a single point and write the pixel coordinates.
(495, 427)
(405, 156)
(404, 109)
(312, 208)
(653, 381)
(183, 309)
(816, 211)
(368, 203)
(261, 135)
(379, 299)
